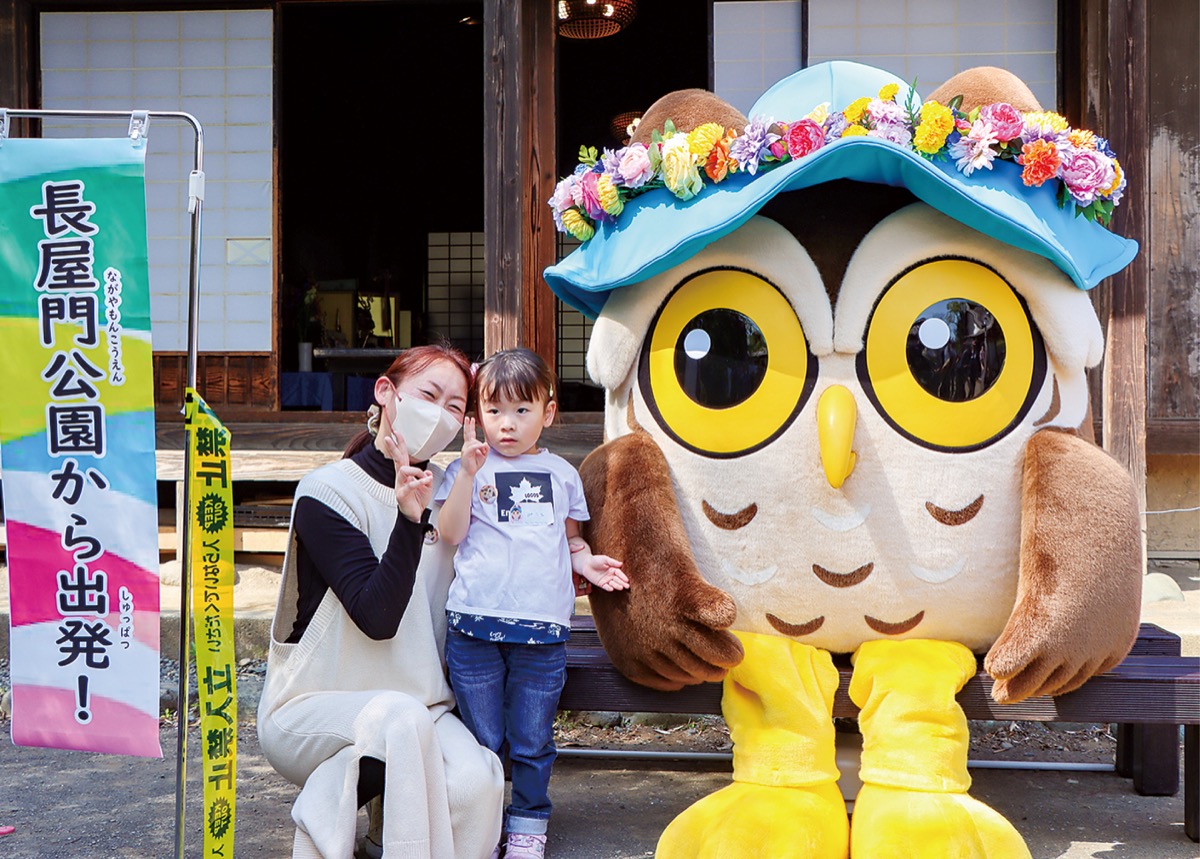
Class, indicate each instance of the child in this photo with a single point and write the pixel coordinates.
(513, 509)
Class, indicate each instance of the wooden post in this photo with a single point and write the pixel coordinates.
(1173, 141)
(17, 61)
(519, 110)
(1125, 83)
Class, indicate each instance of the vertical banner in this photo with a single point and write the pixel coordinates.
(210, 555)
(77, 445)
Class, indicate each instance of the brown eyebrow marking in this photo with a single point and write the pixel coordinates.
(1055, 406)
(843, 580)
(954, 517)
(630, 420)
(729, 521)
(795, 629)
(885, 628)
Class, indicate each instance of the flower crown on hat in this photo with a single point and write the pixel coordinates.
(1042, 142)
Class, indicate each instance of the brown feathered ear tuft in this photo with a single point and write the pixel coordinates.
(986, 85)
(687, 109)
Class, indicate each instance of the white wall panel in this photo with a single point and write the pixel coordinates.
(217, 66)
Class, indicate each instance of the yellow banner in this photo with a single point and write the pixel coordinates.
(210, 554)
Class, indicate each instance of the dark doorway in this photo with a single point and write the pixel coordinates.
(667, 47)
(380, 125)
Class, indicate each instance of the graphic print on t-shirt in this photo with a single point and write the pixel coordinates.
(525, 498)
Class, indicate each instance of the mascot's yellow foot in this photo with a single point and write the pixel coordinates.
(894, 823)
(914, 802)
(754, 821)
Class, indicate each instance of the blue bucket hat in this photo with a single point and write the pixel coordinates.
(656, 230)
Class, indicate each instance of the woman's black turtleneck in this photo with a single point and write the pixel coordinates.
(332, 553)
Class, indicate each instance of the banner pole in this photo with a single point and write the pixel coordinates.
(195, 207)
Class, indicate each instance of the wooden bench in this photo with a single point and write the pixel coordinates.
(1149, 695)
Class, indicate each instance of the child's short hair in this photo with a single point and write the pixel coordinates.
(514, 374)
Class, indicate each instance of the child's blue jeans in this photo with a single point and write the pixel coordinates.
(508, 695)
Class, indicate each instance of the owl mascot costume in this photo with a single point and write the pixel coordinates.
(844, 346)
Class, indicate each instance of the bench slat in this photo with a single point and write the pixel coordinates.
(1153, 688)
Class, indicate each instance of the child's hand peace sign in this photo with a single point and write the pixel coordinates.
(474, 451)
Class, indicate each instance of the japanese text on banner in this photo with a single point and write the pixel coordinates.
(212, 572)
(77, 429)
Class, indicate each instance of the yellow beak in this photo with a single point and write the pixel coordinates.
(836, 416)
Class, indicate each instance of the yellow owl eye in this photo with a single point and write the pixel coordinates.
(952, 359)
(725, 367)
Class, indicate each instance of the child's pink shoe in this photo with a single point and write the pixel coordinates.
(521, 846)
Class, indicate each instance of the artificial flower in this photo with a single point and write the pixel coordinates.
(719, 163)
(937, 121)
(610, 164)
(893, 132)
(1085, 172)
(835, 124)
(680, 170)
(778, 148)
(576, 187)
(819, 113)
(804, 137)
(609, 196)
(1045, 125)
(589, 196)
(1004, 119)
(751, 146)
(562, 199)
(886, 112)
(1116, 190)
(577, 225)
(1041, 142)
(634, 166)
(855, 110)
(1041, 161)
(973, 150)
(702, 138)
(1081, 138)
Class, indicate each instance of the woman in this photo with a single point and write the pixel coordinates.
(356, 700)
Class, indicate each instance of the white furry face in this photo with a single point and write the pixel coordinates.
(945, 351)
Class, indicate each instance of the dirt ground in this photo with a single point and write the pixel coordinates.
(71, 805)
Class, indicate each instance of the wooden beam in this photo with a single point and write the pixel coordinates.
(519, 134)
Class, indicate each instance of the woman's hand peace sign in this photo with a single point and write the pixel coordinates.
(414, 487)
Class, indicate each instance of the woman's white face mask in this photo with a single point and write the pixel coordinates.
(426, 427)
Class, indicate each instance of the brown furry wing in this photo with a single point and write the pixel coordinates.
(1079, 595)
(670, 628)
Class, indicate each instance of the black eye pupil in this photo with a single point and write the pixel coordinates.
(720, 358)
(956, 350)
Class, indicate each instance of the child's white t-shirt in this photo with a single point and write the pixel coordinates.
(514, 561)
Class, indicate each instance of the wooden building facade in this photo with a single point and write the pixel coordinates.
(1129, 69)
